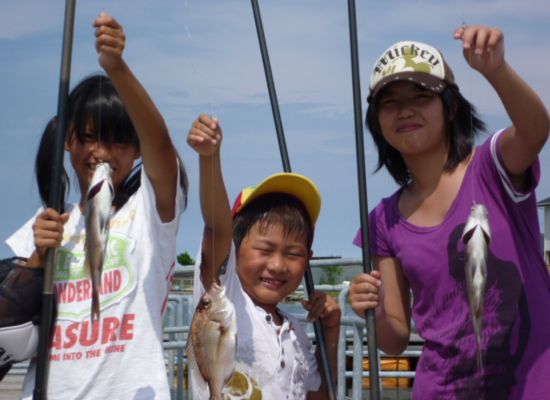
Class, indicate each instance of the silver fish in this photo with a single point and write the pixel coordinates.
(96, 218)
(477, 237)
(212, 340)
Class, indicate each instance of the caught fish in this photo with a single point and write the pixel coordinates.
(477, 237)
(212, 340)
(97, 215)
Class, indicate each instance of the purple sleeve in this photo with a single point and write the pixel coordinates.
(358, 240)
(378, 232)
(533, 173)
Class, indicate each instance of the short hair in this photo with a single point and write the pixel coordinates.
(464, 125)
(271, 209)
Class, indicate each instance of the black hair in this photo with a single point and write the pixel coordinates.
(94, 104)
(43, 165)
(464, 125)
(271, 209)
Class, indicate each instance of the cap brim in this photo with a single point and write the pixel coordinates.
(293, 184)
(422, 79)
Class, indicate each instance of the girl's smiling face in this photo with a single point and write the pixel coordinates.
(271, 264)
(412, 119)
(88, 151)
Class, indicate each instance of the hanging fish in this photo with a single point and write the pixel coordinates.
(96, 219)
(212, 340)
(477, 237)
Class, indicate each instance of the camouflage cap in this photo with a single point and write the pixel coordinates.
(412, 61)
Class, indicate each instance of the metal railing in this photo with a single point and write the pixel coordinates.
(352, 349)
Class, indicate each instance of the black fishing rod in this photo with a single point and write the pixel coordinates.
(55, 201)
(363, 205)
(317, 326)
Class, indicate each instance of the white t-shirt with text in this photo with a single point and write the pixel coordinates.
(120, 355)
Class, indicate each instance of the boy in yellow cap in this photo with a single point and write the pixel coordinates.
(259, 252)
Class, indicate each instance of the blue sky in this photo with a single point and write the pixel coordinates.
(203, 56)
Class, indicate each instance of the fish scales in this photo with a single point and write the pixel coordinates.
(477, 237)
(212, 340)
(99, 201)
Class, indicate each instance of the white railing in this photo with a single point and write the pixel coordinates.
(352, 349)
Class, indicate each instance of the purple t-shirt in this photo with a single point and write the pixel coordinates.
(516, 319)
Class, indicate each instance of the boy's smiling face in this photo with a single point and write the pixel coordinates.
(271, 264)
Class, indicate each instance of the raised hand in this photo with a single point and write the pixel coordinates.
(110, 41)
(205, 135)
(483, 47)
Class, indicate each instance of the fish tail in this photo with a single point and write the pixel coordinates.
(479, 359)
(214, 394)
(95, 304)
(479, 350)
(87, 264)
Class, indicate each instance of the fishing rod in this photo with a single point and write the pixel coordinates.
(363, 206)
(55, 201)
(317, 326)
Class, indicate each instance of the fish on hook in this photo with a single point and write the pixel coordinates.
(477, 238)
(99, 202)
(212, 340)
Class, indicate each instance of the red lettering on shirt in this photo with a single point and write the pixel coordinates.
(81, 290)
(71, 335)
(87, 338)
(56, 340)
(127, 327)
(87, 334)
(110, 326)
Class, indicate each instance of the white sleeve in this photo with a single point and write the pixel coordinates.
(22, 241)
(151, 203)
(228, 276)
(198, 288)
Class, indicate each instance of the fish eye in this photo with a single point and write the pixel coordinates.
(206, 303)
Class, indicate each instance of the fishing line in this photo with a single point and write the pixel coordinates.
(471, 119)
(468, 87)
(98, 127)
(198, 78)
(188, 55)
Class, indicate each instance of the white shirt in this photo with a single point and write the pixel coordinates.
(279, 359)
(121, 357)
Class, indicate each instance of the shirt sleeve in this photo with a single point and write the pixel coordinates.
(163, 233)
(533, 173)
(377, 229)
(22, 241)
(228, 277)
(150, 202)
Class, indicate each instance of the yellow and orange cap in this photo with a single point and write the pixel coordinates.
(294, 184)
